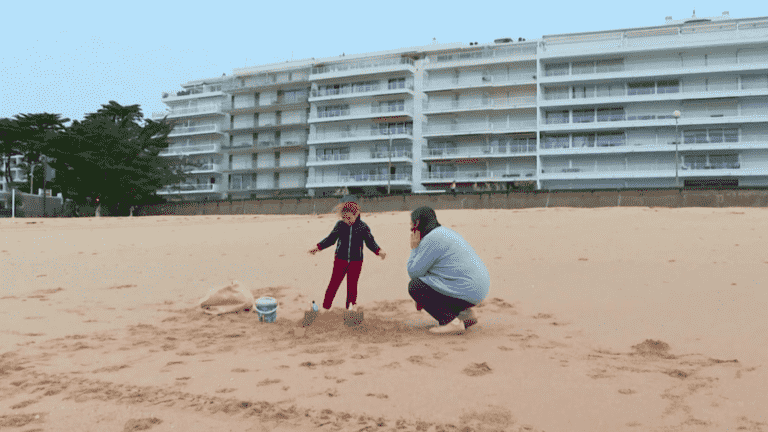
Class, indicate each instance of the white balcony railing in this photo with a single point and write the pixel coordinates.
(182, 130)
(180, 150)
(355, 89)
(479, 151)
(479, 128)
(381, 134)
(485, 53)
(440, 106)
(475, 175)
(481, 81)
(187, 188)
(187, 111)
(359, 178)
(362, 64)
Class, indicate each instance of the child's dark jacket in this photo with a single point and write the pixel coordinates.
(349, 240)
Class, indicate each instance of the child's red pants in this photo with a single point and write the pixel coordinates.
(341, 268)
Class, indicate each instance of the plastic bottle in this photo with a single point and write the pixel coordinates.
(314, 306)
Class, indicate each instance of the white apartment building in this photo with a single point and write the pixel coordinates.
(597, 110)
(196, 138)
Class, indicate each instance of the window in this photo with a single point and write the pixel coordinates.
(555, 142)
(695, 136)
(612, 65)
(583, 92)
(557, 117)
(332, 111)
(749, 82)
(608, 90)
(393, 106)
(610, 114)
(583, 67)
(556, 69)
(731, 135)
(611, 139)
(556, 93)
(396, 83)
(668, 87)
(642, 88)
(584, 116)
(583, 140)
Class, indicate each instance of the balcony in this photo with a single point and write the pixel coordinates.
(349, 91)
(252, 126)
(598, 169)
(465, 129)
(362, 67)
(374, 156)
(367, 135)
(613, 121)
(438, 107)
(477, 176)
(482, 56)
(487, 81)
(189, 130)
(190, 149)
(237, 85)
(361, 113)
(359, 179)
(682, 36)
(658, 94)
(189, 189)
(204, 168)
(252, 105)
(180, 112)
(480, 151)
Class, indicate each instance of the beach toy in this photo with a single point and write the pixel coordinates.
(314, 306)
(266, 307)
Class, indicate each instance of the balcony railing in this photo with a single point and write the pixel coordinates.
(187, 111)
(482, 81)
(332, 157)
(180, 130)
(378, 133)
(439, 106)
(179, 150)
(348, 90)
(669, 37)
(501, 149)
(475, 175)
(471, 128)
(360, 178)
(486, 53)
(621, 167)
(362, 64)
(711, 165)
(189, 188)
(202, 168)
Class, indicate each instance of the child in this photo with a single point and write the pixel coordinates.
(349, 234)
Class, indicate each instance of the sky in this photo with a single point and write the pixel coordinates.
(70, 58)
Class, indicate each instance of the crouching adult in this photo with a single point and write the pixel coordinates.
(448, 278)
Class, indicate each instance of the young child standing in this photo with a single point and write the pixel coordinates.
(349, 234)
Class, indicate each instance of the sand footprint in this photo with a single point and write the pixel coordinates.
(477, 369)
(419, 360)
(141, 424)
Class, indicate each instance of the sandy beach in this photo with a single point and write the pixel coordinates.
(607, 319)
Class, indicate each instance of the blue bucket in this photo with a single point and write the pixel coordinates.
(266, 307)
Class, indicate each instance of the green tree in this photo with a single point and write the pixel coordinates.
(9, 144)
(35, 133)
(111, 159)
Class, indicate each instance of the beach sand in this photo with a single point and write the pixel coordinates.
(608, 319)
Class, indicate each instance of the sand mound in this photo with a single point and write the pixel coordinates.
(652, 348)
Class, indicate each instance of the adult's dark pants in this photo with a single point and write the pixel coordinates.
(442, 307)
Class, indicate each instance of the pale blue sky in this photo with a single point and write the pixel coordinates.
(71, 57)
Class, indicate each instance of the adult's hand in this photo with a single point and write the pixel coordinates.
(415, 238)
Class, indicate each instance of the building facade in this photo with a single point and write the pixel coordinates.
(681, 104)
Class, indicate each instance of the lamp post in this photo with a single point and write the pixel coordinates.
(389, 172)
(676, 115)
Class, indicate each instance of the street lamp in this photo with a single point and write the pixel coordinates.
(676, 115)
(389, 173)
